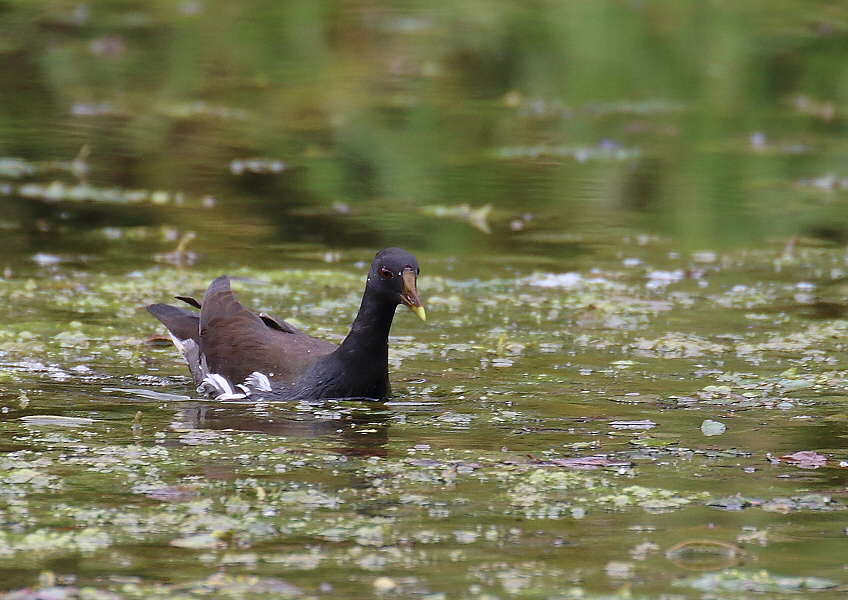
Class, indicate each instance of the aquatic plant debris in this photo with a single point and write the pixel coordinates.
(546, 411)
(734, 580)
(810, 502)
(59, 191)
(478, 218)
(711, 428)
(57, 420)
(805, 459)
(240, 166)
(601, 152)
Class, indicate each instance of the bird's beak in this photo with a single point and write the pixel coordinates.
(409, 296)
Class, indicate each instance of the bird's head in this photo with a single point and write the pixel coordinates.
(394, 273)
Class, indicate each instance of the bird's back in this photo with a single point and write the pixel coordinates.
(234, 341)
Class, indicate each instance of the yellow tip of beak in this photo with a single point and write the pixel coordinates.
(419, 311)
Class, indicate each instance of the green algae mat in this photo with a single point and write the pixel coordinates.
(566, 435)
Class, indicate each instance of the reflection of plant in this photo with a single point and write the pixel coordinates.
(391, 108)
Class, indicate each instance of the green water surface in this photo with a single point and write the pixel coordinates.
(632, 225)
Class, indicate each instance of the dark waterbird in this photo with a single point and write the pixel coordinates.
(235, 353)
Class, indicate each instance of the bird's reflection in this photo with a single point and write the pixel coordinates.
(361, 428)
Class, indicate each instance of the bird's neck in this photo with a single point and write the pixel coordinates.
(369, 334)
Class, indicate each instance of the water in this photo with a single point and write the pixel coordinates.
(622, 244)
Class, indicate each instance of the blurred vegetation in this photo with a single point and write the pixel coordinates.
(712, 122)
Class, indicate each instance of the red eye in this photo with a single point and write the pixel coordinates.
(385, 273)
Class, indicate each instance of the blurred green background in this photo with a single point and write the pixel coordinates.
(376, 123)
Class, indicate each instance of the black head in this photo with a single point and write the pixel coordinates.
(394, 273)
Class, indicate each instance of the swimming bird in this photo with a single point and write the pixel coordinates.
(234, 353)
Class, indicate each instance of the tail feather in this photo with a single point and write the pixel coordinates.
(184, 329)
(181, 322)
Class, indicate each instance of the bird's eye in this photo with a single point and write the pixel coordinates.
(385, 273)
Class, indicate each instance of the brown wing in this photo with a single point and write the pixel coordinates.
(237, 342)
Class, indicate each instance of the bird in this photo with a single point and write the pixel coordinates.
(234, 353)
